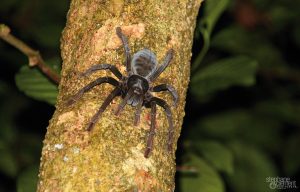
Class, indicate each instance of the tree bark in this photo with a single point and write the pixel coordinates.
(111, 156)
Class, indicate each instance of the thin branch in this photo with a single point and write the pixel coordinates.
(34, 56)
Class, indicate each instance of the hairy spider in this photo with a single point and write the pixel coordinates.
(135, 89)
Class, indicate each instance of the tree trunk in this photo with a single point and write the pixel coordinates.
(111, 156)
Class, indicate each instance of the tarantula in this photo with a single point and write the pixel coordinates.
(135, 88)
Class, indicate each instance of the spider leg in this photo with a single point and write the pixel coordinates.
(98, 81)
(138, 111)
(106, 102)
(124, 102)
(169, 88)
(168, 112)
(110, 67)
(152, 130)
(163, 66)
(126, 48)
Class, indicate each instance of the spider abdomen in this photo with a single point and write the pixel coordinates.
(144, 63)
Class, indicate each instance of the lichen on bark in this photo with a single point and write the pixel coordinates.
(111, 157)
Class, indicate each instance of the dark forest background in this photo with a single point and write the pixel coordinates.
(242, 124)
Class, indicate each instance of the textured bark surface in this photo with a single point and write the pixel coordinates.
(111, 157)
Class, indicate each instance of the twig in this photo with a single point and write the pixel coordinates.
(34, 56)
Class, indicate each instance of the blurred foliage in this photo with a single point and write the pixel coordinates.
(244, 123)
(27, 179)
(223, 74)
(206, 178)
(34, 84)
(242, 120)
(23, 119)
(211, 13)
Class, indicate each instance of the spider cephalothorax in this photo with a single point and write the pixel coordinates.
(135, 88)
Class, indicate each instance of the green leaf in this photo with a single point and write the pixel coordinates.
(36, 85)
(282, 16)
(285, 111)
(223, 125)
(218, 155)
(236, 40)
(8, 164)
(252, 167)
(224, 74)
(212, 11)
(27, 180)
(206, 180)
(262, 131)
(291, 158)
(248, 125)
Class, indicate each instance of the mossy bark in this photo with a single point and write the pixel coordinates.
(111, 157)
